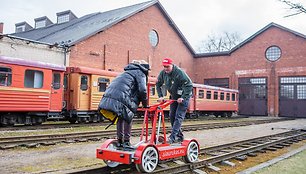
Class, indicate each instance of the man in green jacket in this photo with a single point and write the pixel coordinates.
(179, 85)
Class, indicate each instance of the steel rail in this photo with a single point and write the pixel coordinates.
(102, 123)
(50, 139)
(266, 141)
(215, 159)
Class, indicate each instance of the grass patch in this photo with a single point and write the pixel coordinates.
(292, 165)
(261, 158)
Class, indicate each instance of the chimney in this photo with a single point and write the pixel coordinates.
(1, 27)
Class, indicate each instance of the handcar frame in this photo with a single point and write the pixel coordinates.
(149, 151)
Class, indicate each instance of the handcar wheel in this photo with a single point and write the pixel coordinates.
(192, 152)
(110, 163)
(149, 160)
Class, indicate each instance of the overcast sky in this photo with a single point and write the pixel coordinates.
(195, 18)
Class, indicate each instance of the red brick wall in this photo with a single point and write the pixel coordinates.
(129, 40)
(250, 61)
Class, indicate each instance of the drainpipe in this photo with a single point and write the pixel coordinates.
(65, 53)
(104, 57)
(65, 46)
(128, 57)
(1, 27)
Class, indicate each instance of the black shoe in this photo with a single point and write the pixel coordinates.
(127, 145)
(119, 143)
(180, 139)
(175, 140)
(171, 140)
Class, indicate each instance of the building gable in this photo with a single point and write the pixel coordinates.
(249, 39)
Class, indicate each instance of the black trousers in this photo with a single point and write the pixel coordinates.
(123, 129)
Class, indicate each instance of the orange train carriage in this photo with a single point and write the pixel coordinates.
(30, 91)
(206, 100)
(211, 100)
(84, 88)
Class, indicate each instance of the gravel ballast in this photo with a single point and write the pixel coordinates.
(69, 156)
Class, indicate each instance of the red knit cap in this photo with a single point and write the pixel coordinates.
(167, 62)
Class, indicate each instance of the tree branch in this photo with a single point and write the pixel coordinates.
(297, 7)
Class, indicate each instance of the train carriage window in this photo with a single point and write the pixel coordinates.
(103, 84)
(152, 90)
(208, 95)
(228, 97)
(222, 96)
(56, 82)
(233, 97)
(5, 76)
(33, 79)
(215, 95)
(201, 93)
(84, 83)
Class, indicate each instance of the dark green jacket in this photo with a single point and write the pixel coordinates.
(177, 83)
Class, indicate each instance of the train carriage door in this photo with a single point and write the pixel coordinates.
(84, 95)
(192, 103)
(56, 92)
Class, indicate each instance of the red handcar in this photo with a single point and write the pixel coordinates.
(152, 148)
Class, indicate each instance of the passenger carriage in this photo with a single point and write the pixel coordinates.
(211, 100)
(30, 91)
(84, 88)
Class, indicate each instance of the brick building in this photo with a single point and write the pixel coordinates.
(268, 68)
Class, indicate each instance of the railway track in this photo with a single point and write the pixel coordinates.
(212, 155)
(56, 125)
(51, 139)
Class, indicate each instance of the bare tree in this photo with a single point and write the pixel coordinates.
(224, 42)
(296, 7)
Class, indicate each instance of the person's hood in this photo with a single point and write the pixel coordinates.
(133, 66)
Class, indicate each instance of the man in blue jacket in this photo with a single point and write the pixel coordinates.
(179, 85)
(122, 97)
